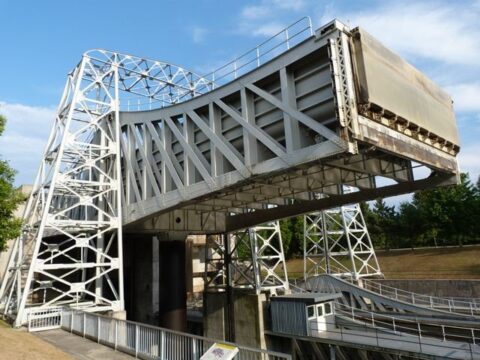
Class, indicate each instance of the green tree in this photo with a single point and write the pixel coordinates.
(9, 200)
(449, 212)
(292, 236)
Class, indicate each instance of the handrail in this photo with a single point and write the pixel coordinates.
(142, 340)
(434, 302)
(306, 28)
(398, 325)
(363, 333)
(248, 61)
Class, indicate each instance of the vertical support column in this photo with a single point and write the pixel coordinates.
(292, 129)
(346, 226)
(230, 309)
(155, 275)
(249, 142)
(215, 125)
(147, 146)
(189, 172)
(117, 197)
(172, 282)
(326, 245)
(100, 235)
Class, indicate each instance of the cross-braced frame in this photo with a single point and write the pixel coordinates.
(70, 252)
(337, 241)
(254, 257)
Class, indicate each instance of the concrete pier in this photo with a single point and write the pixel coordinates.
(248, 317)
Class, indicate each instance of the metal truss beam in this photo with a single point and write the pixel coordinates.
(249, 259)
(337, 242)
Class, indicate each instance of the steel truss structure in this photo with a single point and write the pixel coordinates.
(293, 124)
(337, 242)
(279, 133)
(248, 259)
(70, 252)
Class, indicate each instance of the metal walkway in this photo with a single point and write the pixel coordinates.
(363, 298)
(80, 348)
(397, 333)
(453, 305)
(370, 320)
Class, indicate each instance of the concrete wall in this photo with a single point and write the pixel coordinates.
(195, 263)
(214, 315)
(441, 288)
(154, 279)
(249, 318)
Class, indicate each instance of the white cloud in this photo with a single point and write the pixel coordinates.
(470, 161)
(263, 19)
(267, 30)
(198, 34)
(254, 12)
(442, 32)
(25, 137)
(466, 97)
(295, 5)
(268, 7)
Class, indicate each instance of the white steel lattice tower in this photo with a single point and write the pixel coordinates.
(254, 257)
(73, 239)
(70, 252)
(336, 241)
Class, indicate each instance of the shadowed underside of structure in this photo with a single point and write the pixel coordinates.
(200, 155)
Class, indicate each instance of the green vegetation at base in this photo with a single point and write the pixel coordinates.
(9, 200)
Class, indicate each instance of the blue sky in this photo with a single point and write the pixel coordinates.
(42, 40)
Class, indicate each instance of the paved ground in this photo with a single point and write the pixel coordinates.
(20, 345)
(78, 347)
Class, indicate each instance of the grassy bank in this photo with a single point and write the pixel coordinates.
(441, 263)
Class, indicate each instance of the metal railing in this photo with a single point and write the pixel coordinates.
(150, 342)
(455, 305)
(408, 326)
(44, 319)
(266, 51)
(274, 46)
(363, 333)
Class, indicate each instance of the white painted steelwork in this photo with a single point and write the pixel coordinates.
(45, 319)
(201, 160)
(71, 248)
(337, 242)
(254, 257)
